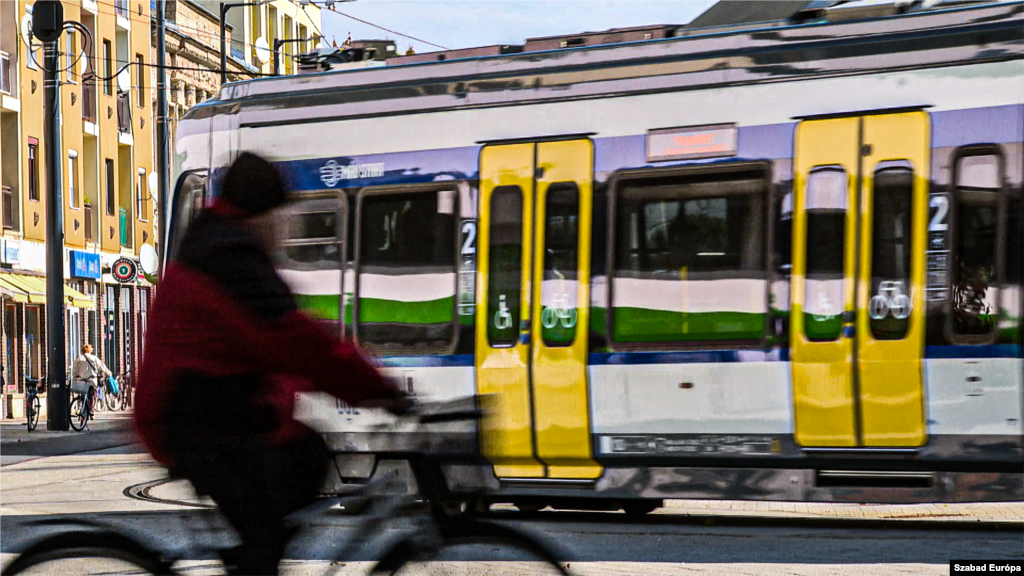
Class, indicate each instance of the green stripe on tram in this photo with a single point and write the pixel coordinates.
(391, 311)
(322, 306)
(644, 325)
(326, 307)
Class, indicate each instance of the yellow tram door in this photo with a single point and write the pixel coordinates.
(533, 308)
(859, 232)
(890, 298)
(822, 284)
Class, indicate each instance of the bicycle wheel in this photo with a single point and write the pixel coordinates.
(99, 403)
(89, 552)
(471, 547)
(32, 413)
(111, 400)
(78, 415)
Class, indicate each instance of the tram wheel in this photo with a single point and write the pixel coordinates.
(529, 507)
(641, 507)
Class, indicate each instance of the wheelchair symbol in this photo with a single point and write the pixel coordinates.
(502, 318)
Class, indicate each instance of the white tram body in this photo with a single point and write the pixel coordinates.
(776, 263)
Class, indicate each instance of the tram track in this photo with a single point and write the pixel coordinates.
(143, 492)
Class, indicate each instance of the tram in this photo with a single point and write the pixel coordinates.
(776, 263)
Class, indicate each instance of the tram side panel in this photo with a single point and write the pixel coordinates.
(973, 365)
(690, 305)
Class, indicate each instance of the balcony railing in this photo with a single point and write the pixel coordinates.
(89, 101)
(121, 8)
(6, 74)
(122, 218)
(7, 199)
(124, 113)
(89, 237)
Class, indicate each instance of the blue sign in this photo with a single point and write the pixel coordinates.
(85, 265)
(11, 252)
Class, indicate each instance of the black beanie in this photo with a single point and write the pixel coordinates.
(253, 185)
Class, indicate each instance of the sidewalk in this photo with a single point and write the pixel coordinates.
(105, 430)
(1008, 514)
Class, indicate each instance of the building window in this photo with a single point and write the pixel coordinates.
(140, 84)
(11, 342)
(110, 331)
(111, 198)
(33, 341)
(32, 51)
(691, 236)
(406, 271)
(71, 56)
(72, 178)
(33, 169)
(108, 69)
(142, 196)
(8, 207)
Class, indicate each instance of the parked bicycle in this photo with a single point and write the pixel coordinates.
(32, 404)
(125, 392)
(429, 534)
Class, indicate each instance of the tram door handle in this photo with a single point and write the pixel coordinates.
(524, 332)
(850, 330)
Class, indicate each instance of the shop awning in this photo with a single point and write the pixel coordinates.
(32, 290)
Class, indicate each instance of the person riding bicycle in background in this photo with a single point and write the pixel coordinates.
(226, 352)
(87, 369)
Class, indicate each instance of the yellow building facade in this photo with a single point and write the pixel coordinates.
(108, 187)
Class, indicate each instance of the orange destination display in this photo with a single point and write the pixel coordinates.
(692, 142)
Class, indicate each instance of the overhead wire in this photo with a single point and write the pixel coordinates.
(368, 23)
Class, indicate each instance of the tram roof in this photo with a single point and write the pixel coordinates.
(762, 37)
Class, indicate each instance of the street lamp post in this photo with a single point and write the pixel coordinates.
(224, 7)
(277, 54)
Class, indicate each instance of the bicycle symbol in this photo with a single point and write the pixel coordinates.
(561, 312)
(890, 299)
(502, 318)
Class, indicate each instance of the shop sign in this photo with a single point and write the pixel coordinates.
(11, 252)
(85, 265)
(124, 270)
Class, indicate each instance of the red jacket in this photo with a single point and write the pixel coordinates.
(227, 349)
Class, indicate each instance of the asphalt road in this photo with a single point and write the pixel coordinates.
(92, 487)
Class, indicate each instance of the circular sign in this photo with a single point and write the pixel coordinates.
(263, 53)
(124, 80)
(148, 259)
(124, 270)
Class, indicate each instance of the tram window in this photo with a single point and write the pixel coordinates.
(1012, 324)
(890, 305)
(561, 259)
(188, 203)
(782, 246)
(311, 260)
(824, 298)
(504, 266)
(407, 270)
(689, 258)
(976, 222)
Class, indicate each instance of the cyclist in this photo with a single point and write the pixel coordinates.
(226, 352)
(87, 369)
